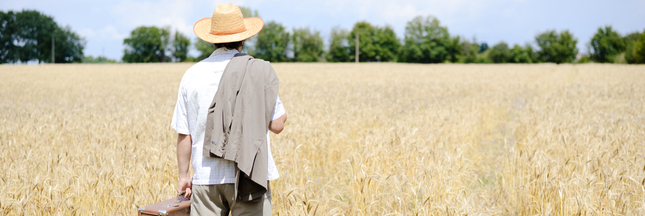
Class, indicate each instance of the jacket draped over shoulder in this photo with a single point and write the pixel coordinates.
(238, 120)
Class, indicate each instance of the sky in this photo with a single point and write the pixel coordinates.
(104, 24)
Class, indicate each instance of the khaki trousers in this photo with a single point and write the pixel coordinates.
(219, 200)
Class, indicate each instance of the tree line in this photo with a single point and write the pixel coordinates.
(27, 36)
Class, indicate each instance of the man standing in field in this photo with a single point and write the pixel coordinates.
(214, 180)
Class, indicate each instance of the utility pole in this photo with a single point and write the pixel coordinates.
(357, 46)
(53, 61)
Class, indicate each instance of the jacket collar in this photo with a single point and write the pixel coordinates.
(223, 52)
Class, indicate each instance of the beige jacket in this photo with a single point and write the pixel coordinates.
(238, 120)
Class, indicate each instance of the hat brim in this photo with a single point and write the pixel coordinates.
(202, 29)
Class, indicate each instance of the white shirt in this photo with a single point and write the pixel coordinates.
(196, 92)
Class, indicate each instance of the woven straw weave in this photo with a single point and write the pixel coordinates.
(227, 25)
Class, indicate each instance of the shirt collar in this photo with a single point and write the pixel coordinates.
(224, 52)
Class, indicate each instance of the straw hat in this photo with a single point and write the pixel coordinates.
(227, 25)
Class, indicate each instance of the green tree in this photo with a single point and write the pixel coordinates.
(500, 53)
(630, 46)
(248, 12)
(425, 41)
(27, 35)
(483, 47)
(386, 43)
(482, 58)
(68, 47)
(272, 43)
(147, 44)
(454, 49)
(307, 45)
(8, 50)
(523, 54)
(606, 44)
(366, 50)
(375, 43)
(249, 44)
(639, 50)
(557, 48)
(338, 46)
(180, 46)
(469, 51)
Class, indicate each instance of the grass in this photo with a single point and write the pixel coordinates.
(367, 139)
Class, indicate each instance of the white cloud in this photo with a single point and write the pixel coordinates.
(108, 32)
(171, 13)
(86, 33)
(111, 33)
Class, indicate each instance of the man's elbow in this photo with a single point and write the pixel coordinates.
(183, 138)
(276, 126)
(277, 130)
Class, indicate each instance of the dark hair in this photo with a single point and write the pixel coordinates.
(229, 46)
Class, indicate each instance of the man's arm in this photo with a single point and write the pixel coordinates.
(184, 149)
(276, 126)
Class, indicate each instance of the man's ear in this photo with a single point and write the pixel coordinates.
(241, 46)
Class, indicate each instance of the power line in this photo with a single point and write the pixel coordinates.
(53, 48)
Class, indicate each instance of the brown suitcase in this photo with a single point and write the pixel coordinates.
(171, 207)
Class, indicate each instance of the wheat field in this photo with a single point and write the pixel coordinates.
(361, 139)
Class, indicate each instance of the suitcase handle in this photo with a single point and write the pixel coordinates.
(180, 197)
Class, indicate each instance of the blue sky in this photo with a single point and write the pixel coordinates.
(105, 23)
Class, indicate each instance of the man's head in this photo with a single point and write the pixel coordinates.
(227, 27)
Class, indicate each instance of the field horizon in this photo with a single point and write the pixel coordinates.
(360, 139)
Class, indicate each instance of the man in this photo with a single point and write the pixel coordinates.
(211, 188)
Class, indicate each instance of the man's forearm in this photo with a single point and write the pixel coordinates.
(184, 148)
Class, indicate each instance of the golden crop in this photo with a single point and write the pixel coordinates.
(366, 139)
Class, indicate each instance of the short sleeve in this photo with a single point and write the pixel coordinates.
(180, 116)
(278, 111)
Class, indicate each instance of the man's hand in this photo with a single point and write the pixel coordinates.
(184, 149)
(185, 184)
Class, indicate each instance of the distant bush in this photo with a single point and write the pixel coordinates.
(100, 59)
(557, 48)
